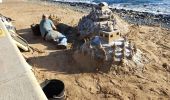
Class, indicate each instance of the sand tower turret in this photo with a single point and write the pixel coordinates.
(99, 22)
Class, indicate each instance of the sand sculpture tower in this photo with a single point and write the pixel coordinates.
(99, 22)
(100, 27)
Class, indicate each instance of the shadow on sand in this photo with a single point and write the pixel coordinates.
(59, 62)
(56, 61)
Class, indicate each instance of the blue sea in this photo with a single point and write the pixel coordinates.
(153, 6)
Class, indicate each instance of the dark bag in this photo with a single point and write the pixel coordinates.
(36, 29)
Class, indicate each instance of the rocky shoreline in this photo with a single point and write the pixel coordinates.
(132, 17)
(144, 18)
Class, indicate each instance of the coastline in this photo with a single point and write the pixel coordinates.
(144, 18)
(130, 16)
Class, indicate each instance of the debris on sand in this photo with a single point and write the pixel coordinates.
(21, 43)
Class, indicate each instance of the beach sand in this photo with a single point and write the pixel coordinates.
(152, 84)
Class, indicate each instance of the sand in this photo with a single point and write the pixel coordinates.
(152, 84)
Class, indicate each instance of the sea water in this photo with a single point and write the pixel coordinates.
(152, 6)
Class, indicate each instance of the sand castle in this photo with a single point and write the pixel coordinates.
(99, 28)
